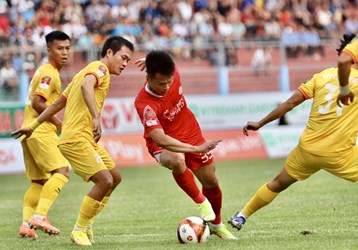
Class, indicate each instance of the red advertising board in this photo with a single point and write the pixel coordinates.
(130, 149)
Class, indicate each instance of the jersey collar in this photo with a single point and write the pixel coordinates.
(151, 92)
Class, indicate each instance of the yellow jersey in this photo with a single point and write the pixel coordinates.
(352, 49)
(331, 130)
(46, 82)
(77, 124)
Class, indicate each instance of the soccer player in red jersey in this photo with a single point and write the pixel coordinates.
(173, 137)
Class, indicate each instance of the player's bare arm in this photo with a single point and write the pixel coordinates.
(296, 99)
(345, 95)
(87, 87)
(39, 104)
(50, 111)
(172, 144)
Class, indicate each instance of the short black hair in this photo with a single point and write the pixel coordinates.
(115, 43)
(347, 38)
(56, 35)
(159, 61)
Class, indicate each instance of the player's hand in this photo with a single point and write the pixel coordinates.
(345, 99)
(97, 130)
(208, 146)
(140, 63)
(59, 127)
(250, 126)
(27, 131)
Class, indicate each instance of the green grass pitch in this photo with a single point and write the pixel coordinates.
(144, 211)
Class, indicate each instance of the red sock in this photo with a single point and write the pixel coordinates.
(214, 196)
(186, 181)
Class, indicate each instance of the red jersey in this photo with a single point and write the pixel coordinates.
(168, 112)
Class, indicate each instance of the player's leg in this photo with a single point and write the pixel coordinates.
(185, 179)
(298, 166)
(30, 201)
(211, 190)
(116, 180)
(32, 195)
(91, 205)
(50, 160)
(264, 196)
(87, 163)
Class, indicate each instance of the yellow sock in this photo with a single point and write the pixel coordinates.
(31, 199)
(88, 210)
(50, 192)
(101, 206)
(263, 197)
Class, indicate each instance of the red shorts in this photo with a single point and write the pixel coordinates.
(193, 161)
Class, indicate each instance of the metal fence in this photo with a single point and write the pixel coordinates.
(215, 69)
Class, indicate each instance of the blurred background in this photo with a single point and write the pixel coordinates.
(238, 52)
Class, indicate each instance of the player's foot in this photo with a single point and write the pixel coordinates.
(222, 232)
(206, 211)
(80, 238)
(44, 225)
(89, 232)
(237, 221)
(27, 232)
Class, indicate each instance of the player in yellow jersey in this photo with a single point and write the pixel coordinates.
(328, 141)
(347, 57)
(84, 98)
(45, 165)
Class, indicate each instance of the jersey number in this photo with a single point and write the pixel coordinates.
(324, 109)
(206, 157)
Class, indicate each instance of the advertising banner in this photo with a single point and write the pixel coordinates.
(234, 111)
(235, 145)
(130, 149)
(213, 112)
(11, 117)
(11, 157)
(279, 141)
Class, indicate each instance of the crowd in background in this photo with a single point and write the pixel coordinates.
(184, 27)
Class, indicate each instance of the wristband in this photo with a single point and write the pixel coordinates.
(344, 90)
(34, 124)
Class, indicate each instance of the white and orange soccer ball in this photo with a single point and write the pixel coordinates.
(193, 230)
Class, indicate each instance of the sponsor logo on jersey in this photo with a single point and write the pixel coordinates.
(45, 82)
(101, 71)
(149, 117)
(170, 114)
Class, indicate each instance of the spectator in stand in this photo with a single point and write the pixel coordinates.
(9, 79)
(253, 20)
(261, 60)
(312, 41)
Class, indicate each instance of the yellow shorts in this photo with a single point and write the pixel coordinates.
(42, 156)
(301, 165)
(85, 159)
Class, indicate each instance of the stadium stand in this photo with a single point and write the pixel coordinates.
(204, 35)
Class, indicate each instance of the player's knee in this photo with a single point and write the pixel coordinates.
(116, 180)
(210, 182)
(64, 171)
(107, 182)
(177, 163)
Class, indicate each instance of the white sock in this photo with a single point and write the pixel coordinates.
(242, 215)
(26, 224)
(38, 217)
(77, 228)
(206, 200)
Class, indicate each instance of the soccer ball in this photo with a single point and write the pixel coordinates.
(193, 230)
